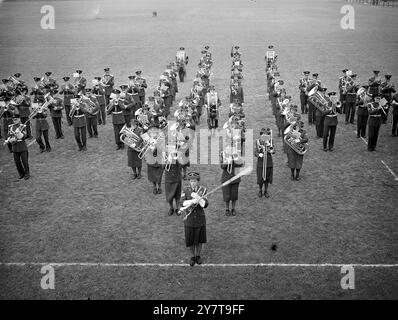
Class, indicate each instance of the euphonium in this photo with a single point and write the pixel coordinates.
(131, 139)
(317, 99)
(292, 139)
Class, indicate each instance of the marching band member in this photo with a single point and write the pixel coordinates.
(263, 150)
(159, 105)
(128, 104)
(236, 91)
(107, 82)
(55, 108)
(374, 122)
(387, 89)
(98, 91)
(304, 84)
(351, 97)
(174, 84)
(24, 109)
(17, 134)
(394, 105)
(80, 82)
(7, 117)
(143, 85)
(342, 82)
(92, 116)
(195, 223)
(362, 112)
(37, 91)
(280, 117)
(330, 123)
(374, 83)
(79, 123)
(295, 160)
(155, 170)
(319, 116)
(116, 107)
(311, 108)
(133, 161)
(165, 92)
(42, 128)
(230, 191)
(212, 105)
(49, 83)
(67, 91)
(235, 51)
(132, 92)
(172, 186)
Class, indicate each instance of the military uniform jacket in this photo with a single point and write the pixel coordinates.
(67, 91)
(394, 104)
(56, 104)
(79, 119)
(117, 111)
(24, 107)
(141, 90)
(80, 84)
(95, 109)
(110, 83)
(304, 83)
(197, 217)
(20, 144)
(238, 95)
(374, 85)
(330, 118)
(387, 89)
(128, 105)
(99, 93)
(38, 94)
(41, 121)
(362, 109)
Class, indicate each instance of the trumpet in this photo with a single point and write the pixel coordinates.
(345, 83)
(7, 106)
(15, 135)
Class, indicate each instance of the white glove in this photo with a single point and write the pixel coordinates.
(202, 203)
(19, 135)
(261, 155)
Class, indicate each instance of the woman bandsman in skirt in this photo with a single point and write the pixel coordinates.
(295, 160)
(264, 150)
(195, 223)
(133, 161)
(173, 185)
(155, 169)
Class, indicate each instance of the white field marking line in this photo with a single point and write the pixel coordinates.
(213, 265)
(363, 139)
(389, 169)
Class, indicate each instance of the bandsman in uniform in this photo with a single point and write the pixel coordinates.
(67, 91)
(173, 185)
(42, 128)
(37, 90)
(55, 108)
(387, 89)
(342, 81)
(264, 150)
(295, 160)
(79, 82)
(24, 109)
(319, 116)
(98, 92)
(116, 107)
(230, 192)
(107, 82)
(350, 99)
(128, 104)
(79, 123)
(165, 92)
(92, 116)
(375, 111)
(142, 86)
(330, 123)
(236, 91)
(304, 84)
(49, 83)
(362, 111)
(16, 139)
(374, 83)
(212, 110)
(195, 222)
(133, 161)
(8, 117)
(155, 169)
(132, 92)
(394, 106)
(311, 108)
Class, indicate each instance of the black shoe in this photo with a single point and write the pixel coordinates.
(139, 176)
(177, 212)
(184, 177)
(80, 148)
(159, 191)
(325, 149)
(330, 149)
(298, 178)
(27, 176)
(260, 194)
(96, 136)
(192, 261)
(48, 149)
(84, 148)
(233, 212)
(62, 137)
(118, 147)
(42, 150)
(227, 212)
(134, 176)
(292, 178)
(171, 211)
(21, 177)
(90, 137)
(155, 191)
(198, 260)
(266, 194)
(358, 136)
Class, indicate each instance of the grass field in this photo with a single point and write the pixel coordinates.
(84, 208)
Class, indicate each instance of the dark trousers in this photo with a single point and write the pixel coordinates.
(361, 125)
(373, 135)
(311, 113)
(28, 126)
(101, 115)
(80, 136)
(40, 141)
(319, 126)
(350, 112)
(67, 111)
(142, 99)
(384, 116)
(394, 124)
(127, 119)
(21, 161)
(92, 126)
(343, 103)
(329, 132)
(57, 122)
(116, 130)
(107, 99)
(303, 101)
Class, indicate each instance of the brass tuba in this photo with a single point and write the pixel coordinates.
(292, 139)
(131, 139)
(317, 99)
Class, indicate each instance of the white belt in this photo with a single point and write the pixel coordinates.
(375, 115)
(79, 116)
(117, 112)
